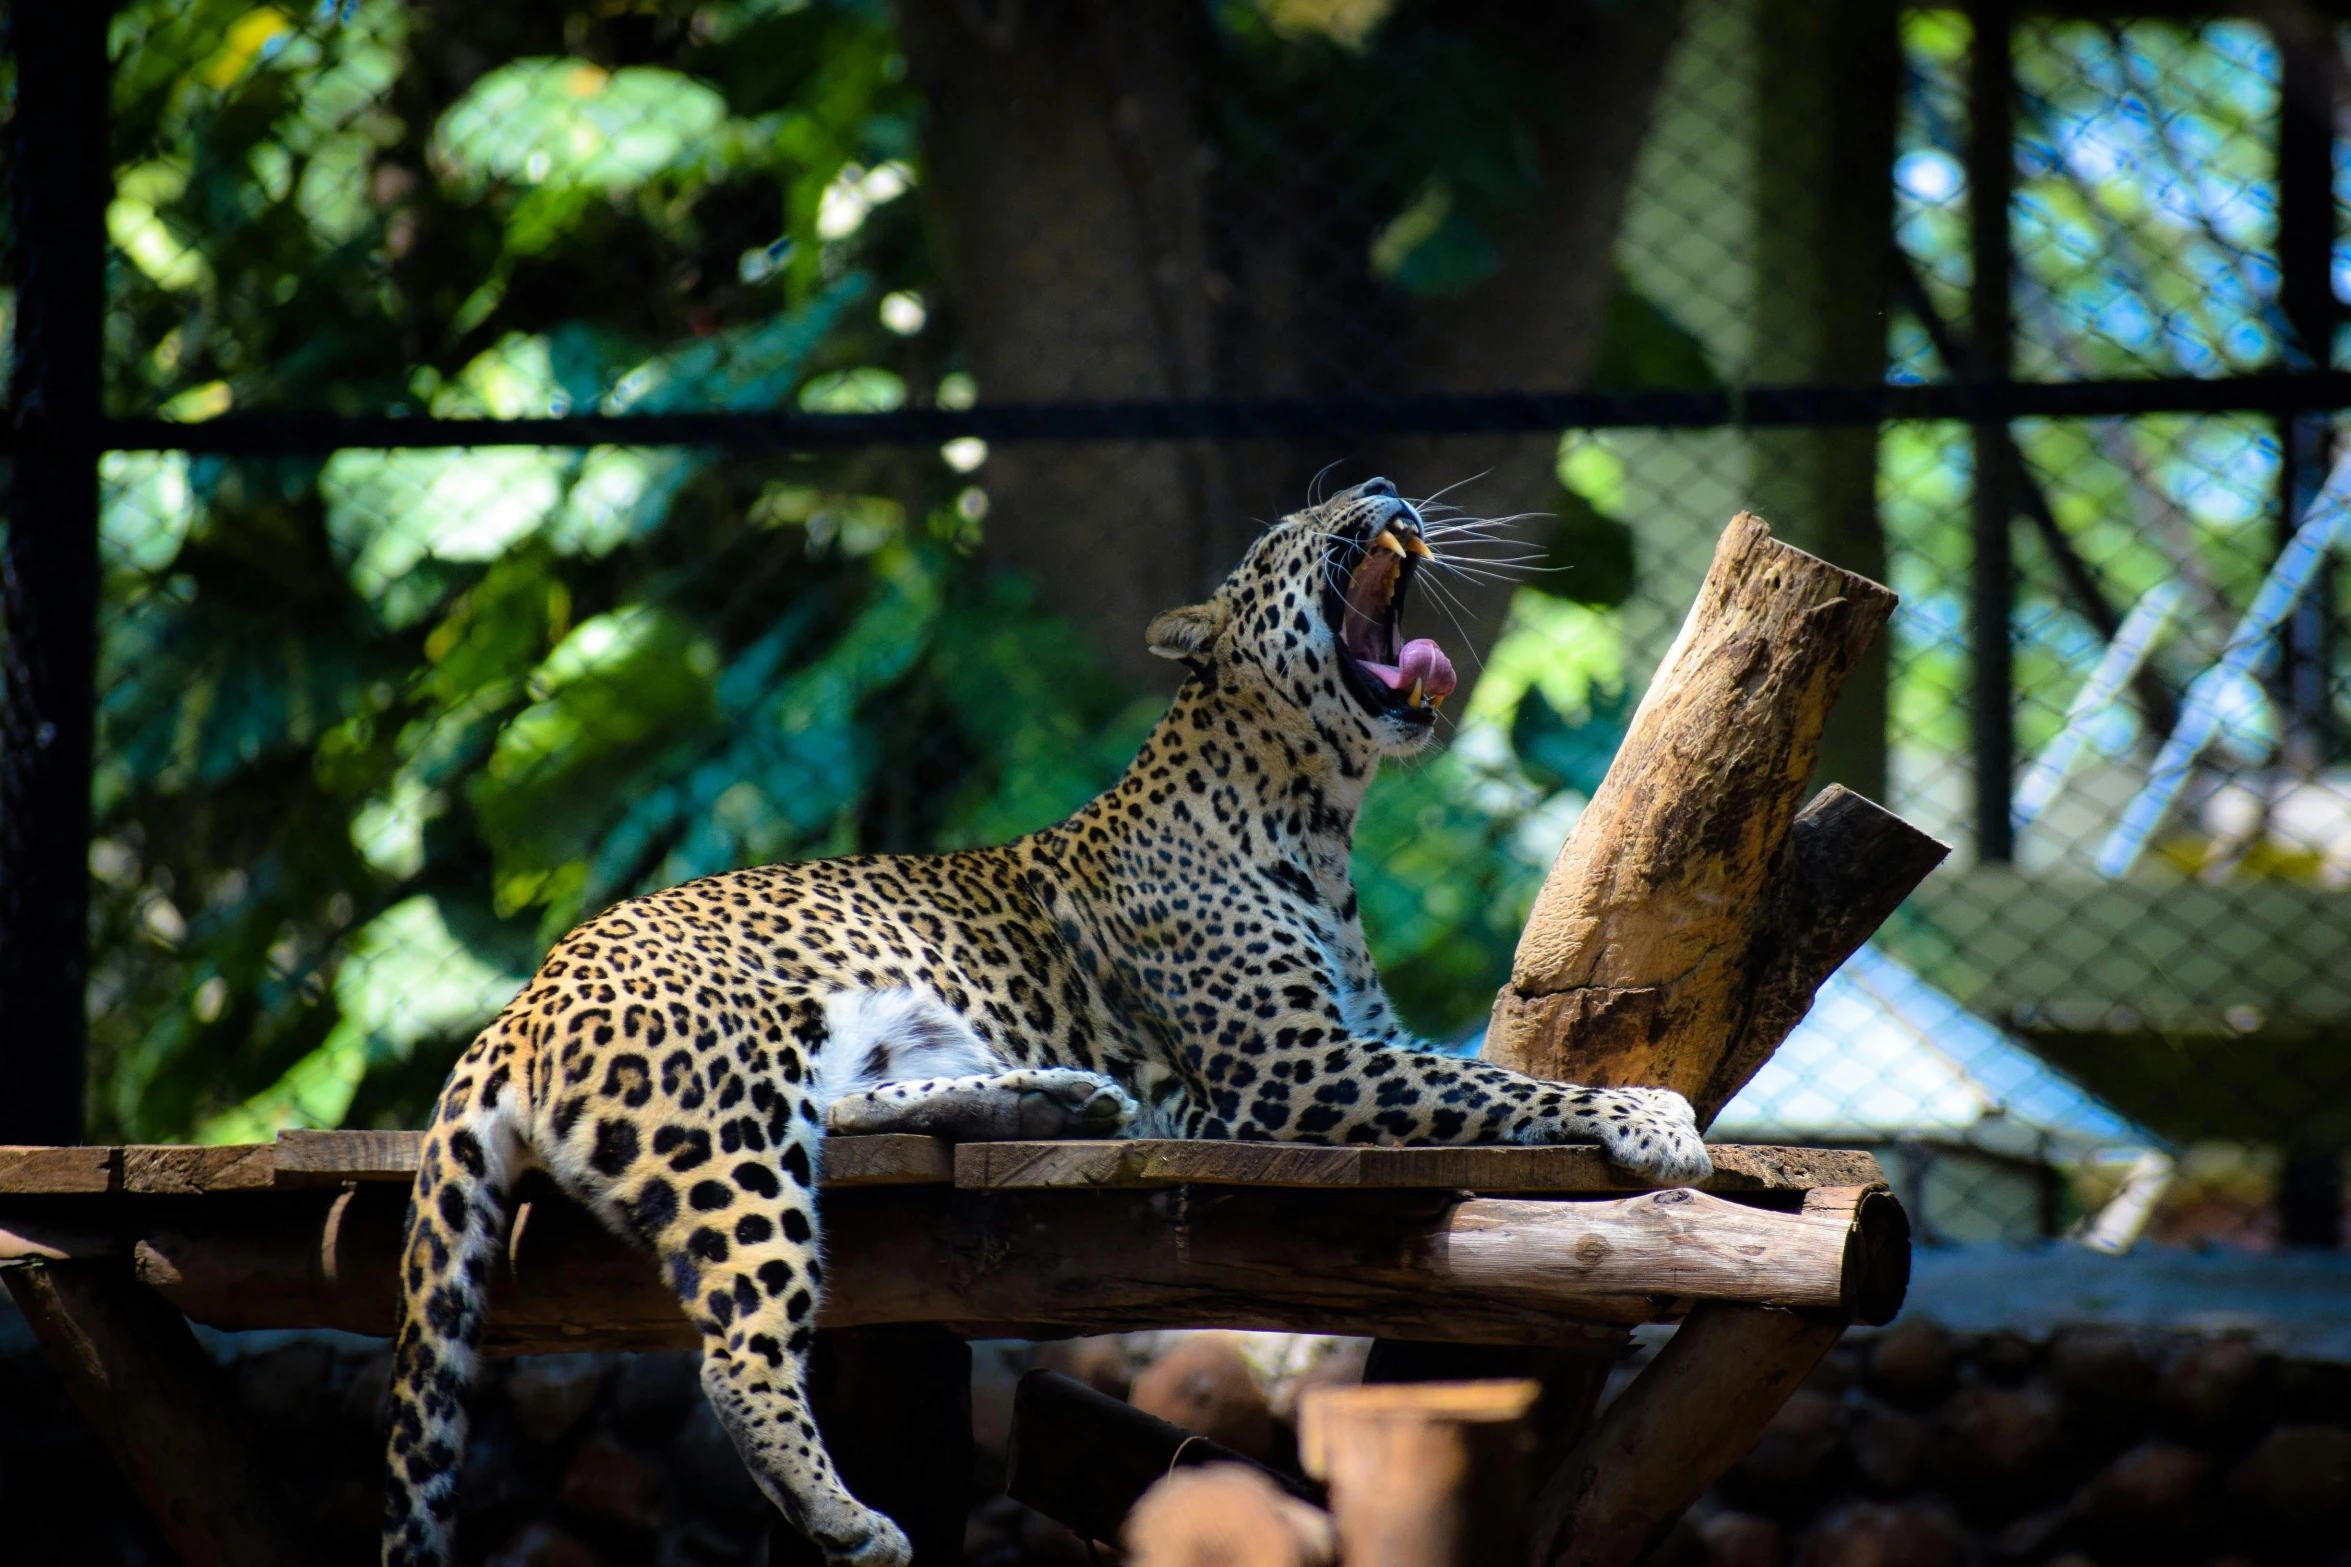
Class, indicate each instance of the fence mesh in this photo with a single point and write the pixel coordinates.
(378, 724)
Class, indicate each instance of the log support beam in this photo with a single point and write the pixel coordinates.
(1689, 1415)
(157, 1402)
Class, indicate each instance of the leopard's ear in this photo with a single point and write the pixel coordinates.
(1185, 633)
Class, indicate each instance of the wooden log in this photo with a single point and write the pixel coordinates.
(1425, 1474)
(1642, 956)
(331, 1158)
(1687, 1417)
(1850, 863)
(1226, 1515)
(42, 1169)
(1407, 1264)
(1085, 1459)
(172, 1170)
(156, 1400)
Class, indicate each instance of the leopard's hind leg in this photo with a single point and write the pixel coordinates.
(704, 1149)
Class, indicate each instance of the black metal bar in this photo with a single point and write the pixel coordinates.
(2311, 87)
(2081, 583)
(49, 574)
(1991, 180)
(1500, 413)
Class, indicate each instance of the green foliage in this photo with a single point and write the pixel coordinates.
(379, 726)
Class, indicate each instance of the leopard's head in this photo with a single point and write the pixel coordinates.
(1314, 618)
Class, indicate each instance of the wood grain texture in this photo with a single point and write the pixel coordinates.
(42, 1170)
(330, 1159)
(1428, 1474)
(1689, 1415)
(1637, 963)
(1419, 1265)
(1143, 1163)
(173, 1170)
(157, 1402)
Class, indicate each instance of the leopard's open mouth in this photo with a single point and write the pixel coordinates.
(1367, 582)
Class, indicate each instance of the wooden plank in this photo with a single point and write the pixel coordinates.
(1141, 1163)
(29, 1171)
(169, 1170)
(331, 1158)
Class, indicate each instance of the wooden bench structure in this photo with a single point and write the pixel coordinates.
(1545, 1247)
(1682, 932)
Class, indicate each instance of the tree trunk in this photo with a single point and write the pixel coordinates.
(1830, 77)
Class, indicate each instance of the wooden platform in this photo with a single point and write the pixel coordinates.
(1478, 1245)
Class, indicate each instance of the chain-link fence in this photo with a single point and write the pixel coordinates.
(556, 450)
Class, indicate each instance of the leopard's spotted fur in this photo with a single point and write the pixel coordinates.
(1182, 956)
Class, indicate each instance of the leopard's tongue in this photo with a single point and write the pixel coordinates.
(1421, 661)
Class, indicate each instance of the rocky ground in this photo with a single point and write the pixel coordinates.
(1913, 1447)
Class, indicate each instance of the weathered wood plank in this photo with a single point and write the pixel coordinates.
(40, 1170)
(171, 1170)
(331, 1158)
(1146, 1163)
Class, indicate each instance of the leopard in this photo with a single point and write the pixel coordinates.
(1183, 957)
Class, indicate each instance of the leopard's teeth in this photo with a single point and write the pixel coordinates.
(1414, 699)
(1388, 541)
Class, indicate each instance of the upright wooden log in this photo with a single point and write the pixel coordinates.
(1423, 1474)
(157, 1402)
(1673, 911)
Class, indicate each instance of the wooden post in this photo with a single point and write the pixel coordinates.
(1680, 927)
(1682, 932)
(156, 1400)
(1688, 1417)
(1423, 1474)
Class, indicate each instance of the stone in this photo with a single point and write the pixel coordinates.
(2103, 1375)
(1998, 1447)
(610, 1484)
(2153, 1493)
(653, 1393)
(1889, 1448)
(1204, 1385)
(1742, 1540)
(1913, 1362)
(2209, 1386)
(1876, 1534)
(2297, 1480)
(2006, 1357)
(551, 1393)
(1784, 1472)
(542, 1544)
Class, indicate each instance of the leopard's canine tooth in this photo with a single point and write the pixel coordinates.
(1388, 541)
(1414, 546)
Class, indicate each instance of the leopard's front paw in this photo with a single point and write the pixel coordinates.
(1652, 1132)
(1067, 1102)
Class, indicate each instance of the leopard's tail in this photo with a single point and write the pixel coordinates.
(457, 1219)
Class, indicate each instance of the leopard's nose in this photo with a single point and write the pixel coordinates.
(1386, 487)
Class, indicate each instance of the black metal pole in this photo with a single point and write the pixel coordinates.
(2310, 1196)
(2311, 88)
(1991, 177)
(49, 573)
